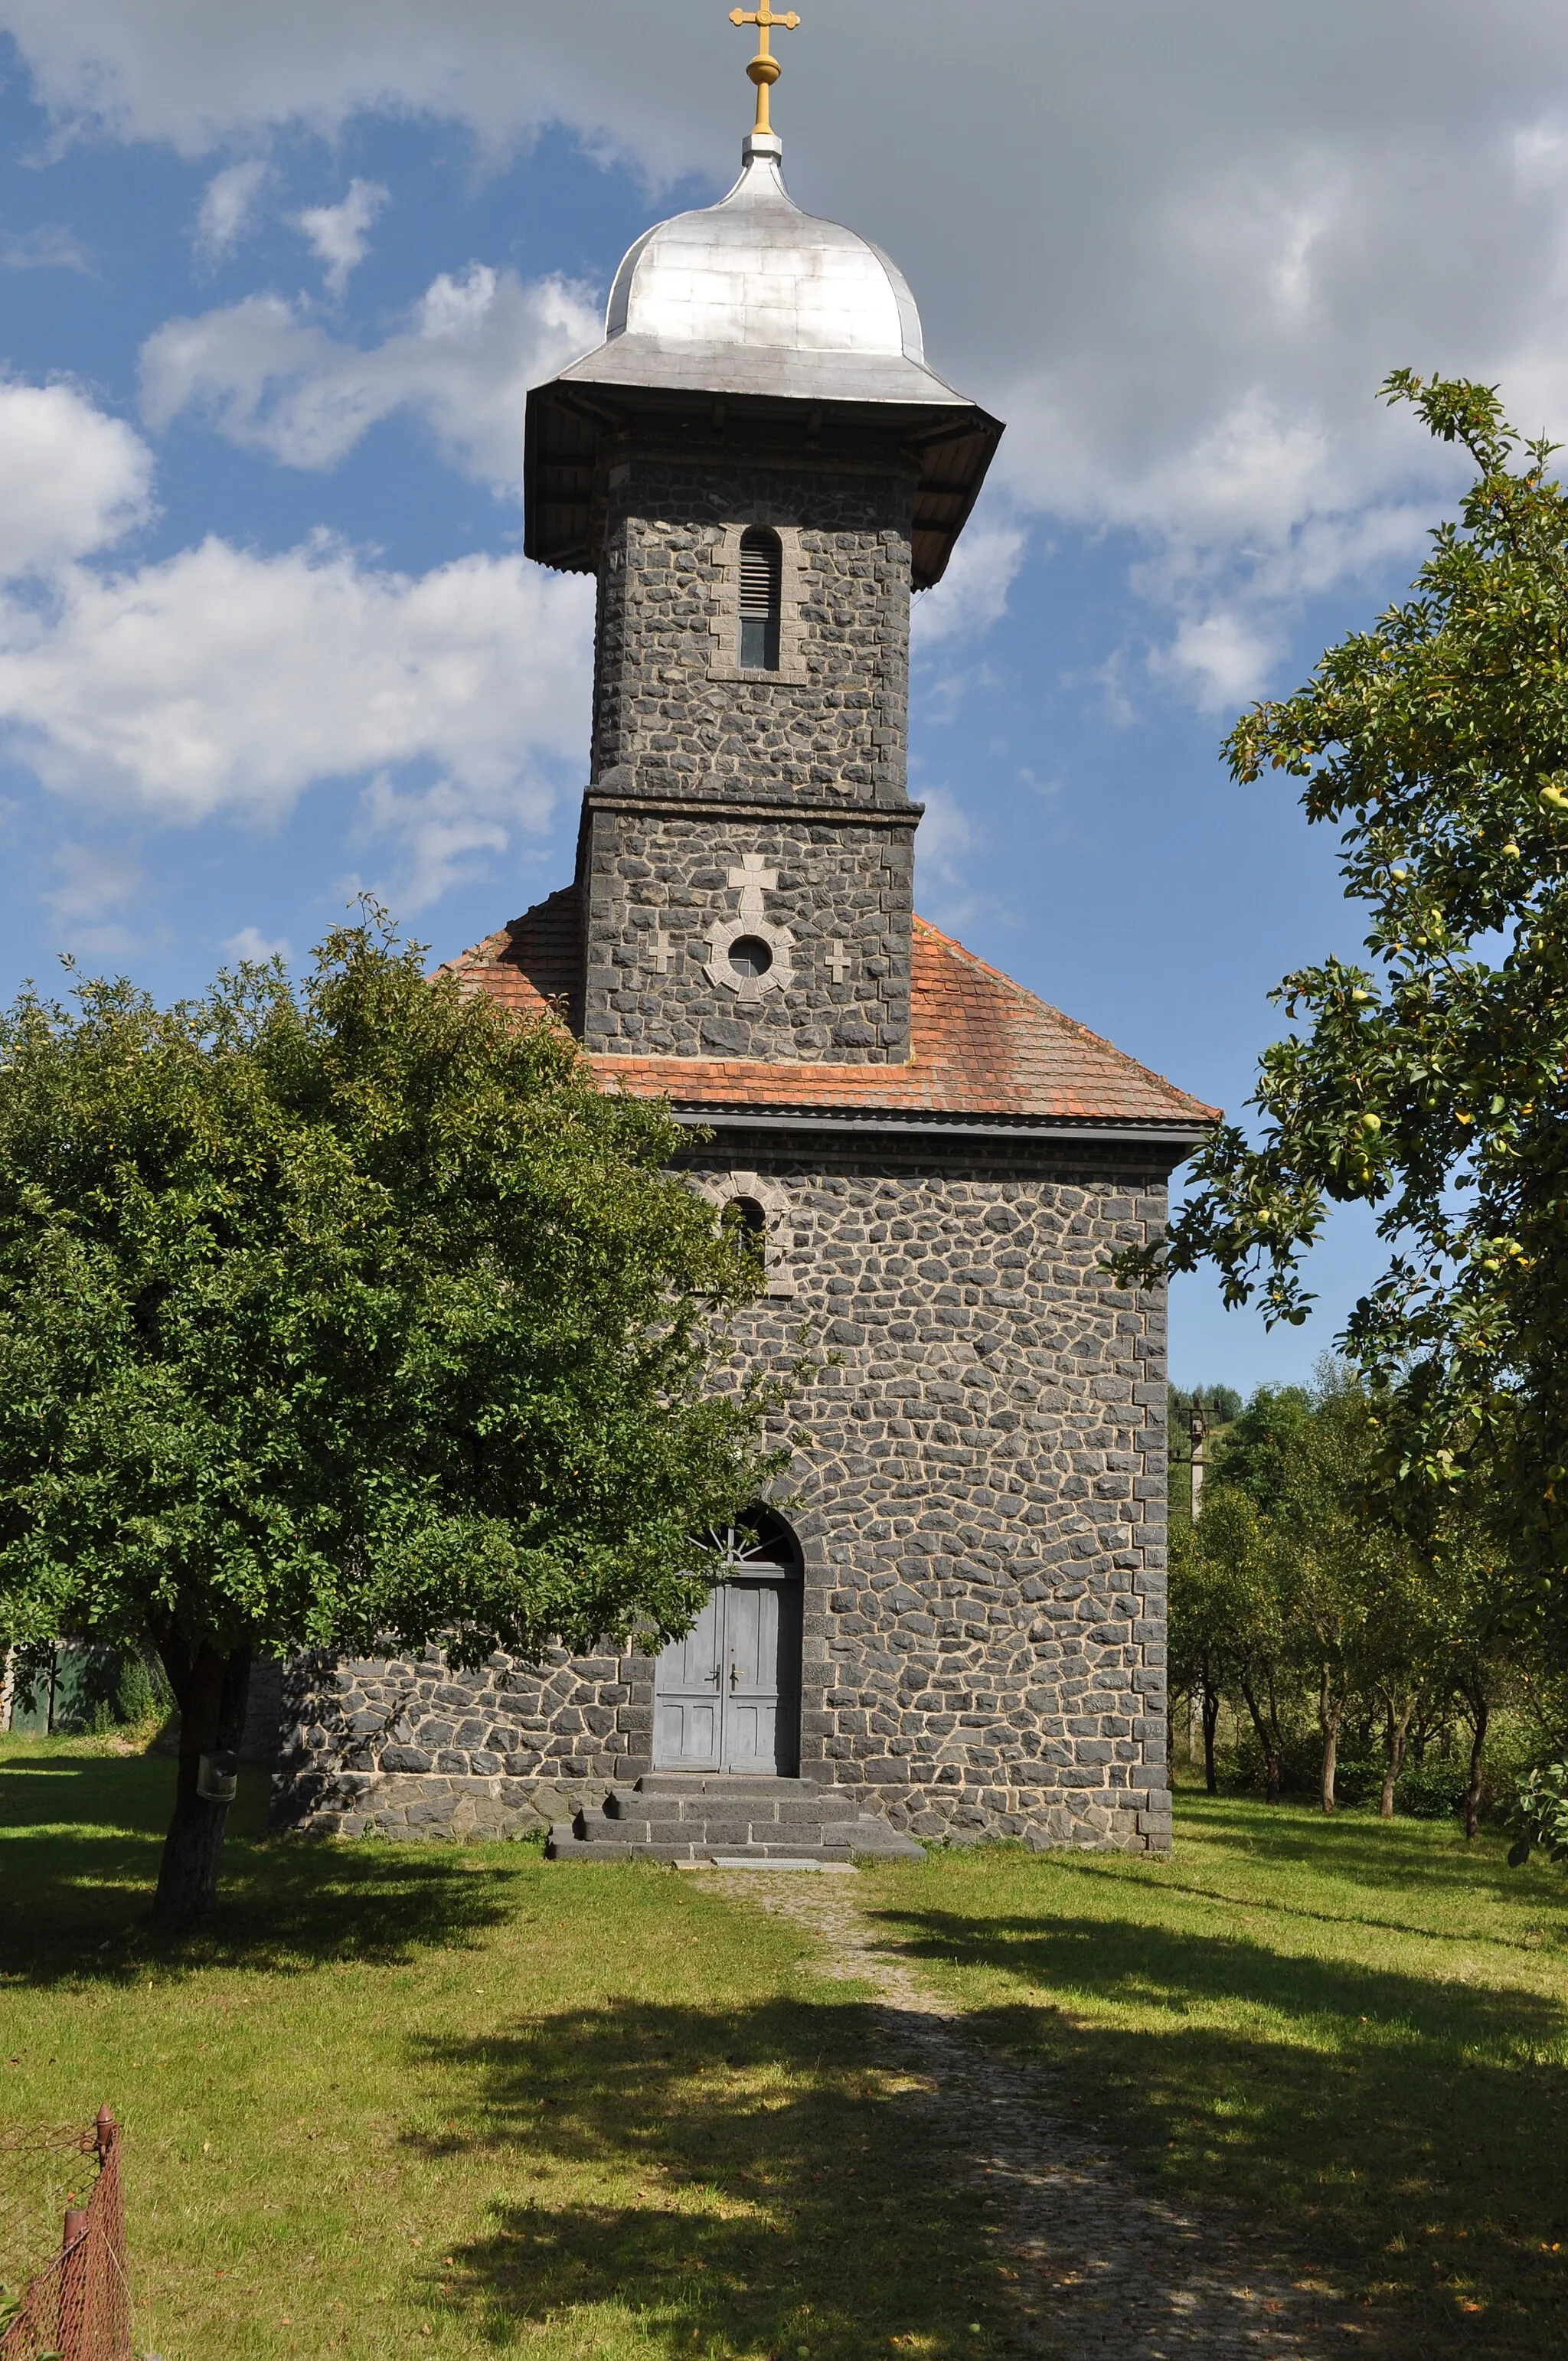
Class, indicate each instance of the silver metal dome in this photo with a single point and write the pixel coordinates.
(755, 270)
(753, 296)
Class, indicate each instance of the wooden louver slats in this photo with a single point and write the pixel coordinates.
(762, 576)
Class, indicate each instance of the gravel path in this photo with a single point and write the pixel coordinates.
(1104, 2272)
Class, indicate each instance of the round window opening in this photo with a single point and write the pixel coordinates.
(751, 956)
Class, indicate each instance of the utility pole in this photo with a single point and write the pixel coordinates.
(1198, 1427)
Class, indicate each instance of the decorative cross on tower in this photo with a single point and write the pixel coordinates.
(765, 68)
(754, 878)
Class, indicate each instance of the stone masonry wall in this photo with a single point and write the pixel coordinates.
(981, 1509)
(411, 1747)
(666, 718)
(665, 895)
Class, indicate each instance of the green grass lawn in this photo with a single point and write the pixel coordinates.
(1355, 2031)
(449, 2101)
(457, 2101)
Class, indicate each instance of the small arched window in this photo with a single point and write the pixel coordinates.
(762, 599)
(752, 1212)
(745, 1224)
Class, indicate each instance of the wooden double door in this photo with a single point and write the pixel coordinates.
(727, 1698)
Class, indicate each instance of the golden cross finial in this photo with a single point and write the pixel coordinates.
(765, 68)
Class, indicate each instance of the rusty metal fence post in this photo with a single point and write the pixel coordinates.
(78, 2307)
(75, 2267)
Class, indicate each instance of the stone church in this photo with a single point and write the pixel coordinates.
(952, 1623)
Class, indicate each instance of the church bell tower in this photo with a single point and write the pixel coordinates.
(759, 468)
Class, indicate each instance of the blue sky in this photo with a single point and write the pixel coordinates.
(273, 285)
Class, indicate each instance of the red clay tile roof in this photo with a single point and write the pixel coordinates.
(532, 963)
(982, 1046)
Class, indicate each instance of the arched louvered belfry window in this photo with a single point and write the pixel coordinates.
(762, 599)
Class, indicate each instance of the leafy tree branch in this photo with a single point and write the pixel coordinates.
(357, 1315)
(1430, 1080)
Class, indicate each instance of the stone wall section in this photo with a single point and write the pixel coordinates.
(834, 720)
(980, 1508)
(408, 1746)
(984, 1506)
(665, 895)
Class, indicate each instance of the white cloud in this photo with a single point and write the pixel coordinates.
(1540, 156)
(225, 682)
(269, 378)
(947, 836)
(440, 833)
(71, 479)
(948, 841)
(255, 948)
(1178, 271)
(339, 236)
(972, 594)
(229, 206)
(91, 883)
(92, 878)
(49, 246)
(1221, 659)
(201, 76)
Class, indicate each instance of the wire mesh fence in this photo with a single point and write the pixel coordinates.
(77, 2307)
(43, 2168)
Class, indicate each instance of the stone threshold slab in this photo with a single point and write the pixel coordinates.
(746, 1860)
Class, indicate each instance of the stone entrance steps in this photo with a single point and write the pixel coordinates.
(692, 1816)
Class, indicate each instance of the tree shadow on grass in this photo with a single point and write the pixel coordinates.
(1402, 2135)
(784, 2193)
(1268, 1907)
(80, 1840)
(1408, 1857)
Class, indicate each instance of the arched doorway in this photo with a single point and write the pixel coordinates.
(727, 1698)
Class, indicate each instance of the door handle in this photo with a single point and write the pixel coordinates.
(734, 1677)
(716, 1676)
